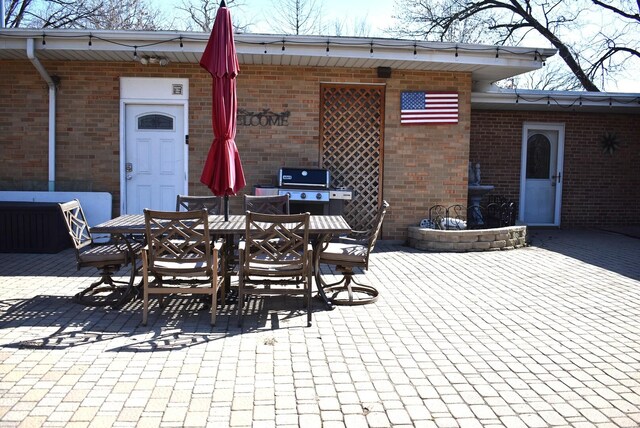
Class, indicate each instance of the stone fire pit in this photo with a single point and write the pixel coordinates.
(502, 238)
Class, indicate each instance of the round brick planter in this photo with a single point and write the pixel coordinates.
(503, 238)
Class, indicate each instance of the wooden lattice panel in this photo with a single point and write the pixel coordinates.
(351, 146)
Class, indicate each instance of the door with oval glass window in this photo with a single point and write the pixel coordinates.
(541, 174)
(154, 163)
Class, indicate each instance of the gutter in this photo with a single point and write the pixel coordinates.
(52, 110)
(542, 100)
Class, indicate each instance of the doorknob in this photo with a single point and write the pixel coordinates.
(128, 169)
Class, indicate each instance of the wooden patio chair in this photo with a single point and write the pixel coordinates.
(271, 204)
(180, 257)
(275, 258)
(213, 204)
(265, 204)
(108, 258)
(346, 254)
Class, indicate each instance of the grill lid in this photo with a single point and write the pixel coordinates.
(303, 177)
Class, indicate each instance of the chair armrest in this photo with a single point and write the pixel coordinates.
(356, 237)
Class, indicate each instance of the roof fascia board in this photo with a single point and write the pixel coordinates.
(387, 49)
(601, 101)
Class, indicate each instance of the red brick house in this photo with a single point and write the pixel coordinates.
(90, 111)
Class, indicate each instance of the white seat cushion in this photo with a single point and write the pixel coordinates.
(337, 252)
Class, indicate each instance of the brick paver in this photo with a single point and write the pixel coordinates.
(547, 335)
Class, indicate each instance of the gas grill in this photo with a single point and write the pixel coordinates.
(309, 191)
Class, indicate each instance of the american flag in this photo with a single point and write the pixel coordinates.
(428, 107)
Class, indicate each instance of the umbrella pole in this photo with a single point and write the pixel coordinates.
(226, 207)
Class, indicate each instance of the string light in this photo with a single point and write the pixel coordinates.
(327, 46)
(395, 45)
(283, 45)
(535, 56)
(568, 102)
(135, 52)
(90, 40)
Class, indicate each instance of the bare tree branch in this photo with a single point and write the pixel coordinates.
(508, 21)
(202, 13)
(628, 15)
(296, 17)
(106, 14)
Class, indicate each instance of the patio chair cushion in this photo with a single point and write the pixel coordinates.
(109, 254)
(180, 268)
(340, 252)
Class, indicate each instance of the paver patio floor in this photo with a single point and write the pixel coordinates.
(547, 335)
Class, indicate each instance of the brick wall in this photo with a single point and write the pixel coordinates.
(598, 189)
(423, 165)
(24, 106)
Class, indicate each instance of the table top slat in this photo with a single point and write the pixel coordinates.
(134, 224)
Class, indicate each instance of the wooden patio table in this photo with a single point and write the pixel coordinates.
(321, 228)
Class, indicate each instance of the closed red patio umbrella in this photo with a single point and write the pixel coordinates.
(222, 171)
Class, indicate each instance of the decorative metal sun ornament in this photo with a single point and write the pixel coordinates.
(609, 142)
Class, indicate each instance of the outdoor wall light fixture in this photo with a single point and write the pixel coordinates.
(384, 72)
(154, 60)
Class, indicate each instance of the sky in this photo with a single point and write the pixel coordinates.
(377, 12)
(379, 16)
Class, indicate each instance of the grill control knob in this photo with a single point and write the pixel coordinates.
(318, 196)
(303, 195)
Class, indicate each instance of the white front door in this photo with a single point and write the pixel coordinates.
(541, 174)
(154, 164)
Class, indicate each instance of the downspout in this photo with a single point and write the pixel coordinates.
(52, 110)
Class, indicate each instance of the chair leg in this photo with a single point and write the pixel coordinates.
(356, 292)
(145, 289)
(309, 285)
(240, 299)
(115, 296)
(214, 298)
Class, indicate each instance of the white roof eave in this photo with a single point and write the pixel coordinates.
(484, 62)
(572, 101)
